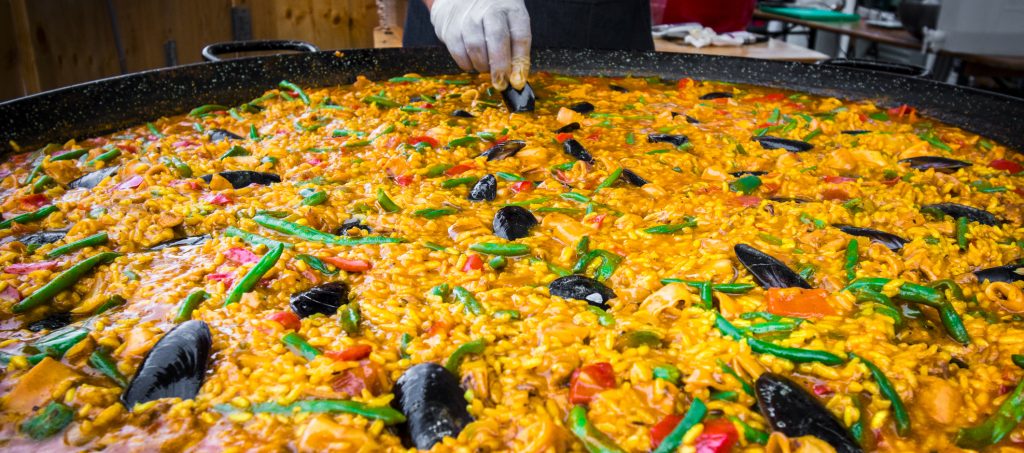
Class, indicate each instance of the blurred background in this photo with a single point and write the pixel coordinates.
(46, 44)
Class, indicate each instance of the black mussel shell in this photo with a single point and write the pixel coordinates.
(38, 238)
(855, 132)
(715, 95)
(52, 322)
(575, 149)
(942, 164)
(324, 299)
(620, 89)
(415, 98)
(675, 140)
(768, 271)
(244, 178)
(519, 101)
(507, 148)
(183, 242)
(794, 412)
(958, 210)
(486, 189)
(793, 146)
(93, 179)
(513, 222)
(351, 223)
(789, 200)
(689, 119)
(582, 288)
(174, 368)
(748, 172)
(571, 127)
(433, 404)
(633, 178)
(891, 241)
(1007, 274)
(582, 108)
(462, 114)
(217, 135)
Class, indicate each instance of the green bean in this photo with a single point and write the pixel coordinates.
(40, 184)
(70, 155)
(380, 101)
(204, 109)
(594, 441)
(248, 282)
(316, 263)
(674, 439)
(404, 79)
(497, 262)
(899, 411)
(529, 202)
(189, 305)
(573, 196)
(769, 317)
(299, 346)
(850, 262)
(611, 179)
(109, 155)
(888, 308)
(27, 217)
(797, 355)
(49, 421)
(604, 318)
(583, 246)
(1018, 360)
(753, 435)
(908, 291)
(91, 241)
(252, 238)
(433, 213)
(316, 198)
(728, 288)
(472, 347)
(706, 295)
(385, 202)
(437, 170)
(182, 168)
(234, 114)
(58, 342)
(463, 141)
(672, 228)
(311, 234)
(492, 248)
(403, 345)
(63, 281)
(609, 262)
(113, 301)
(152, 128)
(511, 314)
(385, 414)
(732, 372)
(291, 86)
(456, 182)
(101, 360)
(961, 232)
(728, 395)
(948, 285)
(464, 297)
(667, 373)
(509, 176)
(1002, 422)
(442, 291)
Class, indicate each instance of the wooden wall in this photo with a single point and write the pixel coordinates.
(46, 44)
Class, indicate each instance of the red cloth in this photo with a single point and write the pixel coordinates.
(721, 15)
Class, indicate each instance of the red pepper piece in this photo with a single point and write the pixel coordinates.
(461, 168)
(286, 319)
(1006, 165)
(663, 428)
(473, 263)
(522, 186)
(357, 352)
(348, 265)
(563, 137)
(719, 436)
(589, 381)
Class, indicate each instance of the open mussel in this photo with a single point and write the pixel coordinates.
(575, 149)
(633, 178)
(715, 95)
(324, 299)
(582, 108)
(571, 127)
(855, 132)
(245, 178)
(891, 241)
(459, 113)
(353, 222)
(793, 146)
(519, 101)
(689, 119)
(38, 238)
(768, 271)
(218, 135)
(93, 179)
(174, 368)
(583, 288)
(674, 140)
(183, 242)
(513, 222)
(956, 210)
(791, 410)
(486, 189)
(507, 148)
(941, 164)
(1007, 274)
(433, 404)
(748, 172)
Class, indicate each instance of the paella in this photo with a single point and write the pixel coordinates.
(628, 264)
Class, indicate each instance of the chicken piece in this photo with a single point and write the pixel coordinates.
(367, 376)
(323, 434)
(565, 228)
(940, 399)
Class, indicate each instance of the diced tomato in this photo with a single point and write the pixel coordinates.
(835, 193)
(217, 199)
(357, 352)
(590, 380)
(34, 200)
(1006, 165)
(560, 138)
(747, 201)
(719, 436)
(348, 265)
(461, 168)
(598, 220)
(799, 302)
(831, 179)
(27, 268)
(437, 327)
(403, 180)
(423, 139)
(684, 83)
(473, 263)
(286, 319)
(522, 186)
(241, 256)
(663, 428)
(773, 97)
(821, 389)
(367, 376)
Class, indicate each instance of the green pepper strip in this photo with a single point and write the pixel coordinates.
(101, 360)
(204, 109)
(924, 295)
(51, 420)
(113, 301)
(350, 317)
(311, 234)
(583, 246)
(464, 297)
(770, 327)
(797, 355)
(667, 373)
(728, 288)
(41, 183)
(491, 248)
(672, 228)
(707, 295)
(604, 318)
(433, 213)
(70, 155)
(380, 101)
(456, 182)
(604, 271)
(109, 155)
(385, 201)
(899, 411)
(91, 241)
(529, 202)
(948, 285)
(497, 262)
(299, 346)
(316, 198)
(753, 435)
(152, 128)
(884, 304)
(961, 233)
(291, 86)
(385, 414)
(593, 440)
(472, 347)
(189, 305)
(693, 416)
(252, 238)
(63, 281)
(508, 176)
(463, 141)
(248, 282)
(27, 217)
(1005, 419)
(732, 372)
(612, 177)
(850, 262)
(745, 185)
(56, 343)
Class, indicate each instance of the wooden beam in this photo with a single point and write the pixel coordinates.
(26, 49)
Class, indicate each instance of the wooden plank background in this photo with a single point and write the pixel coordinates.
(46, 44)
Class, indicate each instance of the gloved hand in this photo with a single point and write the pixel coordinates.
(486, 35)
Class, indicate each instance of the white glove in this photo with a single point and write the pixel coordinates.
(486, 35)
